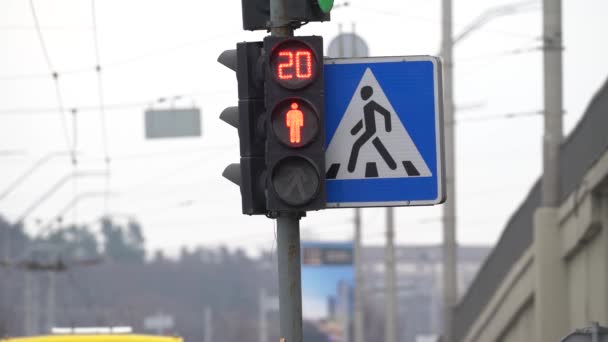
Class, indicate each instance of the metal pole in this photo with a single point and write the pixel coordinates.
(50, 308)
(288, 226)
(279, 23)
(74, 161)
(208, 318)
(36, 293)
(6, 273)
(595, 332)
(358, 279)
(340, 41)
(552, 56)
(263, 325)
(31, 321)
(344, 300)
(27, 304)
(450, 286)
(390, 295)
(290, 282)
(353, 42)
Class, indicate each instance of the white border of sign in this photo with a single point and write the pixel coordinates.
(439, 128)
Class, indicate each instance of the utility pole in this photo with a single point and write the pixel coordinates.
(27, 304)
(7, 279)
(344, 309)
(6, 238)
(450, 246)
(50, 304)
(208, 319)
(359, 280)
(450, 285)
(262, 319)
(389, 272)
(74, 161)
(32, 292)
(550, 295)
(31, 321)
(340, 41)
(552, 57)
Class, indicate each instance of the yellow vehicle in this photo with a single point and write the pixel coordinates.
(91, 336)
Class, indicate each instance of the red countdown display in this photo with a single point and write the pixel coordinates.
(293, 64)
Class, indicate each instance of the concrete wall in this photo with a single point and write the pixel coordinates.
(584, 236)
(548, 274)
(560, 282)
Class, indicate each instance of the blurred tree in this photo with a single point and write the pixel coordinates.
(159, 257)
(13, 239)
(75, 242)
(136, 241)
(124, 245)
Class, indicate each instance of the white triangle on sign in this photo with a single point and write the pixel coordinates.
(400, 158)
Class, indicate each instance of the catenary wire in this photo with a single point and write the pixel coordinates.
(119, 62)
(102, 112)
(54, 75)
(107, 107)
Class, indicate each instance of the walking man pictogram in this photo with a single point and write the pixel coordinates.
(295, 121)
(369, 121)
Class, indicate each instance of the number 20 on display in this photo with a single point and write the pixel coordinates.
(303, 64)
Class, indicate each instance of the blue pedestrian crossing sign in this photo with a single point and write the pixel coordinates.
(384, 131)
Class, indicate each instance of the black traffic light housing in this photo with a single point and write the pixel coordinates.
(295, 124)
(256, 13)
(249, 119)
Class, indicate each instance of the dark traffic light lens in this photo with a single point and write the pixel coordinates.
(293, 64)
(295, 122)
(295, 180)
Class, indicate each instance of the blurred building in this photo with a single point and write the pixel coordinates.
(548, 274)
(419, 281)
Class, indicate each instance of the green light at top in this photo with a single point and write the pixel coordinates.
(325, 5)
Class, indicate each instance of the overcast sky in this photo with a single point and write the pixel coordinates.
(161, 48)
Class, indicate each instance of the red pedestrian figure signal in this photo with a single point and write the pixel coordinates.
(294, 120)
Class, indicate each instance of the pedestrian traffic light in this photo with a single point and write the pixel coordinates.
(249, 119)
(256, 13)
(295, 156)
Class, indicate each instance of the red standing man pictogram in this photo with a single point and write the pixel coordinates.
(294, 120)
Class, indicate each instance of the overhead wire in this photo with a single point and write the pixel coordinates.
(500, 54)
(482, 62)
(107, 107)
(54, 75)
(169, 153)
(119, 62)
(53, 27)
(75, 161)
(397, 13)
(102, 112)
(126, 105)
(504, 116)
